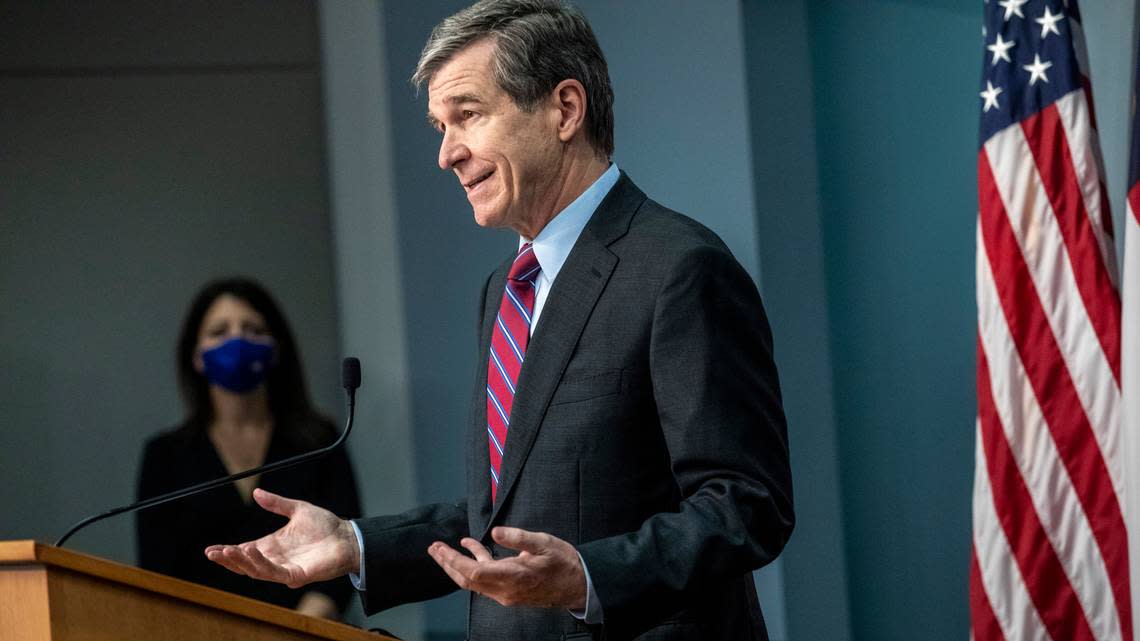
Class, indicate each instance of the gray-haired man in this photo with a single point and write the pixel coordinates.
(627, 452)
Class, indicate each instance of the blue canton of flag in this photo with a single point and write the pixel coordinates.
(1030, 59)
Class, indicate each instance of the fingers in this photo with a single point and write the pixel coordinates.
(553, 579)
(457, 566)
(476, 548)
(248, 560)
(498, 579)
(275, 503)
(227, 556)
(447, 556)
(522, 540)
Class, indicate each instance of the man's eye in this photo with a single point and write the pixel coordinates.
(467, 114)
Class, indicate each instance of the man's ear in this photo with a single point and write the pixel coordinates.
(569, 98)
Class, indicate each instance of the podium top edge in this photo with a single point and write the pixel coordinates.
(23, 551)
(30, 552)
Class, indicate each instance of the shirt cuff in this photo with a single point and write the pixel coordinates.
(358, 579)
(592, 615)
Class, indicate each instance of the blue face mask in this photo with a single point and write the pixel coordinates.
(238, 365)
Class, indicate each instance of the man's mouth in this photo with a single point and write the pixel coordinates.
(478, 179)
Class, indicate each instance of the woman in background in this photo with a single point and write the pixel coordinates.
(246, 402)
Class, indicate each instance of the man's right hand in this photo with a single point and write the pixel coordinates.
(314, 545)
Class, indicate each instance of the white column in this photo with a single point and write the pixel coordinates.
(367, 266)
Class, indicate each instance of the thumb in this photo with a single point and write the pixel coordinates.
(275, 503)
(521, 540)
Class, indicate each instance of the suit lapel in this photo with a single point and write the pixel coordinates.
(575, 292)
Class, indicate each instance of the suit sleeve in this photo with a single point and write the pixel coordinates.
(396, 561)
(718, 403)
(397, 564)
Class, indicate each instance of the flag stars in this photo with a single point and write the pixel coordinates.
(1048, 22)
(990, 95)
(1000, 48)
(1037, 69)
(1012, 8)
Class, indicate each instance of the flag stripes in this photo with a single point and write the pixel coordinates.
(1075, 112)
(1034, 335)
(1046, 140)
(998, 572)
(1049, 582)
(1010, 399)
(1042, 243)
(986, 626)
(1046, 369)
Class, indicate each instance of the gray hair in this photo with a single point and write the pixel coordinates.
(538, 44)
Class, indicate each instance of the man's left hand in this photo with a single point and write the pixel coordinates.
(546, 573)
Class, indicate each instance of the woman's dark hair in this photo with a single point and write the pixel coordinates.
(293, 412)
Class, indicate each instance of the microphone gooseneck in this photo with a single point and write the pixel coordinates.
(350, 380)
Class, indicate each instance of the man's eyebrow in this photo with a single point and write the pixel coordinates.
(463, 98)
(457, 99)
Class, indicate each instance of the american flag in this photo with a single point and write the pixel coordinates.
(1050, 547)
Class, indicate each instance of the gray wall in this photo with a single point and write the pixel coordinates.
(790, 243)
(141, 157)
(368, 272)
(896, 116)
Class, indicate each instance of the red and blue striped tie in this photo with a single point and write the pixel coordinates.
(508, 347)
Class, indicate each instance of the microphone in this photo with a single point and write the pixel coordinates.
(350, 377)
(349, 380)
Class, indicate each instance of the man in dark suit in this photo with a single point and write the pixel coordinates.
(627, 452)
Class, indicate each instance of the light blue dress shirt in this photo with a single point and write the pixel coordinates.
(551, 247)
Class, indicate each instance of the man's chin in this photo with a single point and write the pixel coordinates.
(490, 220)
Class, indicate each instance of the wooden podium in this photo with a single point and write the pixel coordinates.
(52, 594)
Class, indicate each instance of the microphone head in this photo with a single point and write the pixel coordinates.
(350, 373)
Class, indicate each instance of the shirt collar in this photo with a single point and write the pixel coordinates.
(557, 238)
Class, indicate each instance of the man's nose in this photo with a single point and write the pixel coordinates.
(451, 151)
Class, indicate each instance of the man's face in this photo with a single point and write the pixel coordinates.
(505, 158)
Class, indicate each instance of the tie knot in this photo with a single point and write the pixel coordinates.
(526, 265)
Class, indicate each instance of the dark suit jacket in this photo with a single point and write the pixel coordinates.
(647, 430)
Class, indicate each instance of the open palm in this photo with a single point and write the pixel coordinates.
(314, 545)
